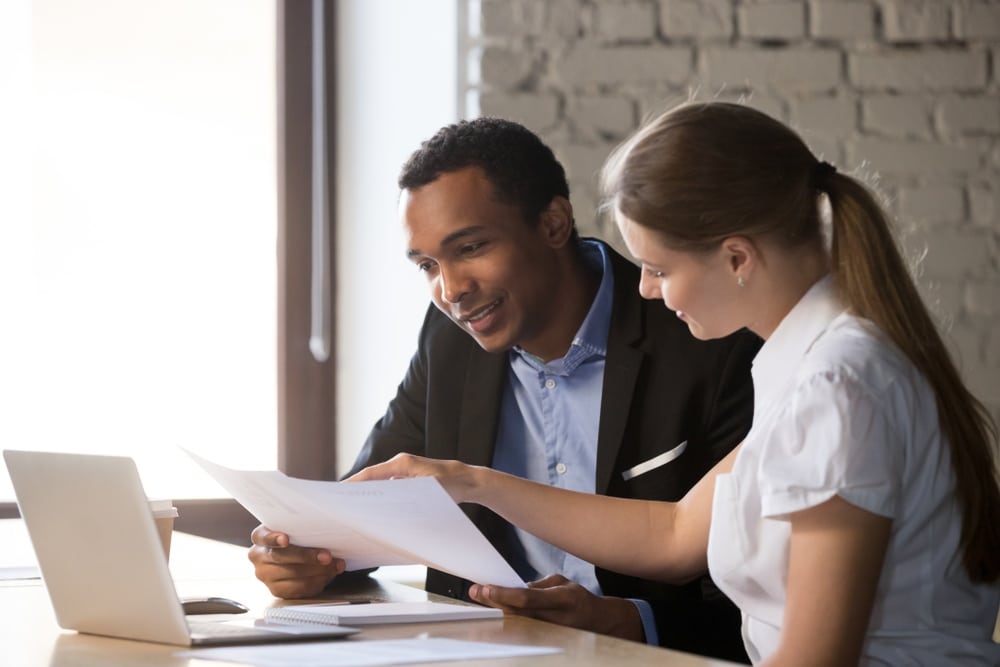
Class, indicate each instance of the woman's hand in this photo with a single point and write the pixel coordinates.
(462, 482)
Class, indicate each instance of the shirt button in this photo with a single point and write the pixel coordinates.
(550, 384)
(561, 468)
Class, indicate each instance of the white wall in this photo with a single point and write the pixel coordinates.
(397, 85)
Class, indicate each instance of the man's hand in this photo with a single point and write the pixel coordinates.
(290, 571)
(558, 600)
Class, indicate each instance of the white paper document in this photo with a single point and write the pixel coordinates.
(366, 653)
(368, 524)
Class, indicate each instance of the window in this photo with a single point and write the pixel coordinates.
(157, 238)
(144, 312)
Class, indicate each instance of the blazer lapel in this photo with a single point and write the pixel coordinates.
(480, 409)
(621, 367)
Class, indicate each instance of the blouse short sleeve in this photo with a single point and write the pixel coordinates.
(833, 436)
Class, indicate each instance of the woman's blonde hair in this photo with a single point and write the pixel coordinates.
(703, 172)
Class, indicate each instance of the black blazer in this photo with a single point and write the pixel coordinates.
(661, 387)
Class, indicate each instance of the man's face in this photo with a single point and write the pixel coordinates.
(491, 272)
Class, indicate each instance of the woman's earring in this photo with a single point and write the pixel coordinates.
(740, 281)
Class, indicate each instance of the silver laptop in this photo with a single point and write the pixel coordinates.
(102, 561)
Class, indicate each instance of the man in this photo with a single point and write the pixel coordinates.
(541, 359)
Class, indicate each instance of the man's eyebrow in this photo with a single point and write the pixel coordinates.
(448, 240)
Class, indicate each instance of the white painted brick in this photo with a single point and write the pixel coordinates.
(652, 101)
(798, 70)
(842, 19)
(932, 204)
(501, 67)
(992, 348)
(982, 297)
(965, 344)
(537, 112)
(960, 338)
(586, 64)
(585, 209)
(983, 205)
(826, 115)
(503, 18)
(969, 115)
(614, 116)
(825, 147)
(897, 157)
(918, 70)
(915, 20)
(897, 115)
(629, 21)
(952, 254)
(562, 17)
(761, 100)
(943, 298)
(702, 19)
(779, 20)
(583, 163)
(982, 379)
(977, 20)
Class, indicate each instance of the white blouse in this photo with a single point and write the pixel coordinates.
(838, 410)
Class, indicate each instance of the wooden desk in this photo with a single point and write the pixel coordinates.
(29, 636)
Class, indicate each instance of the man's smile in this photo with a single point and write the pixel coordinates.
(480, 319)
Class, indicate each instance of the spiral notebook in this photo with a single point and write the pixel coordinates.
(379, 612)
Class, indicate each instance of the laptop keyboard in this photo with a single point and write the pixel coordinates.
(205, 629)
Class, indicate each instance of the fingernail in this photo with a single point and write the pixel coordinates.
(474, 591)
(324, 558)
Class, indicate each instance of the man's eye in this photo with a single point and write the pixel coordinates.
(425, 266)
(470, 248)
(655, 274)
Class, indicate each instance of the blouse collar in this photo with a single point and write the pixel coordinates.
(779, 357)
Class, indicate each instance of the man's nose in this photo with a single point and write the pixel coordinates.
(455, 286)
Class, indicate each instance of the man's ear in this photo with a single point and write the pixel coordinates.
(556, 222)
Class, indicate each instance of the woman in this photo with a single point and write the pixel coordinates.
(859, 521)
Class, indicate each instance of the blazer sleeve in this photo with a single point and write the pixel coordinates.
(731, 411)
(403, 426)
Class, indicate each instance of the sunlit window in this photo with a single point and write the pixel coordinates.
(143, 314)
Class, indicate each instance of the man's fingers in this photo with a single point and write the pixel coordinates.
(265, 537)
(549, 581)
(521, 600)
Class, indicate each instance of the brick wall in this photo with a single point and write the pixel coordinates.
(903, 92)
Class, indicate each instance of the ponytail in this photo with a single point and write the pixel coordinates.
(870, 275)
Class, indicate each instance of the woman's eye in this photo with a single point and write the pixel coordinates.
(425, 266)
(472, 247)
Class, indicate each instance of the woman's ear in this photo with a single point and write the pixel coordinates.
(741, 256)
(556, 222)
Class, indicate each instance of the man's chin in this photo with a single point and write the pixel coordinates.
(495, 343)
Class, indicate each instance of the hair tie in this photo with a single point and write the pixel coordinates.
(821, 172)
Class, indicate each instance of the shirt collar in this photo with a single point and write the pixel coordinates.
(592, 337)
(778, 358)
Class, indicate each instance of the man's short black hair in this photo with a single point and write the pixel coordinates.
(523, 170)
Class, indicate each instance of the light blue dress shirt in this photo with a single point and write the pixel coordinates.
(548, 428)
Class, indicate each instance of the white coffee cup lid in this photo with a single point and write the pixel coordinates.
(163, 508)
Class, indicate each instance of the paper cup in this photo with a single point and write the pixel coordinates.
(164, 514)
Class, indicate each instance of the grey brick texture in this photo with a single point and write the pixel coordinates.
(904, 93)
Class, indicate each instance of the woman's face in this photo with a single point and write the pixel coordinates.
(701, 288)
